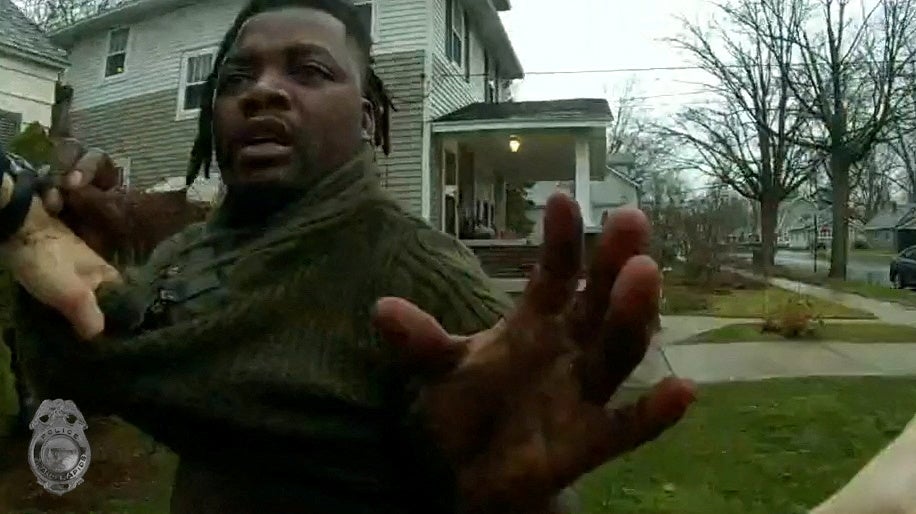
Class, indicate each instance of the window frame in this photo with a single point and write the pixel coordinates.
(454, 15)
(109, 54)
(124, 164)
(16, 120)
(466, 47)
(180, 112)
(373, 20)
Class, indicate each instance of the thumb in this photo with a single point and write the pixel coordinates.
(416, 336)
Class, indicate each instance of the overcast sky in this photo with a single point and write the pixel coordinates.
(602, 35)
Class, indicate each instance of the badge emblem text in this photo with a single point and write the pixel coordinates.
(59, 453)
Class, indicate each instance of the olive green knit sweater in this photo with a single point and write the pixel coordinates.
(270, 382)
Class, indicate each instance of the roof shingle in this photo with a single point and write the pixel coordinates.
(18, 33)
(557, 110)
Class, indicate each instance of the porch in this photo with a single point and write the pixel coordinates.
(485, 153)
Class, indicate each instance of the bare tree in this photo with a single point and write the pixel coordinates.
(744, 140)
(633, 134)
(872, 183)
(54, 14)
(849, 82)
(904, 147)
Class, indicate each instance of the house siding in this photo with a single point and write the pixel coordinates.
(144, 129)
(884, 238)
(401, 171)
(154, 60)
(27, 89)
(449, 90)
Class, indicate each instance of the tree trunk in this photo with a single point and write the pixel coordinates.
(839, 168)
(769, 211)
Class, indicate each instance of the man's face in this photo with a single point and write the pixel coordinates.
(289, 101)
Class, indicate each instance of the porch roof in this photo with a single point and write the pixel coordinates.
(575, 113)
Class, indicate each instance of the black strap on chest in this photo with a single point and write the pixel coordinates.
(13, 214)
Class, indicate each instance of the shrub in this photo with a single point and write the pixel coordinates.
(794, 320)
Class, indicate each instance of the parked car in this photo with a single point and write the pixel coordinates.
(903, 269)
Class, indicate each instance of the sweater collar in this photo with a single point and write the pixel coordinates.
(330, 194)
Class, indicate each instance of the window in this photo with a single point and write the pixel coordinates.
(491, 80)
(195, 67)
(454, 32)
(10, 126)
(467, 48)
(116, 60)
(366, 10)
(122, 164)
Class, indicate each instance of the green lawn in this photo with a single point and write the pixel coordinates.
(874, 255)
(757, 448)
(748, 303)
(874, 291)
(745, 448)
(845, 332)
(129, 474)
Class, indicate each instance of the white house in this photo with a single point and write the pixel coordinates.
(29, 68)
(616, 190)
(449, 65)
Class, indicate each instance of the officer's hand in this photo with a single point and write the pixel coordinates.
(886, 485)
(46, 257)
(85, 193)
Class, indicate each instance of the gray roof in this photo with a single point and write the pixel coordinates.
(889, 218)
(591, 109)
(18, 35)
(122, 12)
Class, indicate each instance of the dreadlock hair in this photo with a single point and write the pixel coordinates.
(373, 87)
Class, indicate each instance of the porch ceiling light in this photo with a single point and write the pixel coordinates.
(514, 143)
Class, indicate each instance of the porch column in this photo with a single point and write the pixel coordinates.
(583, 181)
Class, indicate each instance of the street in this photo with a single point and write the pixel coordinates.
(857, 268)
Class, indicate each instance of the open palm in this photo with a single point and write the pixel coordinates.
(519, 409)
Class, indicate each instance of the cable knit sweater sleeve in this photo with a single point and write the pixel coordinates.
(443, 277)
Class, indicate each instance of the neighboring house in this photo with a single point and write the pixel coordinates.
(905, 236)
(616, 190)
(791, 213)
(449, 65)
(29, 68)
(801, 235)
(881, 230)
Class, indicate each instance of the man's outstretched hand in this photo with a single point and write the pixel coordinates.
(519, 409)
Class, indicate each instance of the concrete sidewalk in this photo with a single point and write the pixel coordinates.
(710, 363)
(887, 312)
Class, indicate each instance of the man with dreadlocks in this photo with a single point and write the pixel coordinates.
(295, 349)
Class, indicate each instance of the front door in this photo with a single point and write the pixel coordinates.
(449, 193)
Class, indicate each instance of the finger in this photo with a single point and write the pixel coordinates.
(6, 189)
(67, 152)
(625, 235)
(94, 167)
(623, 337)
(602, 435)
(417, 337)
(554, 279)
(52, 200)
